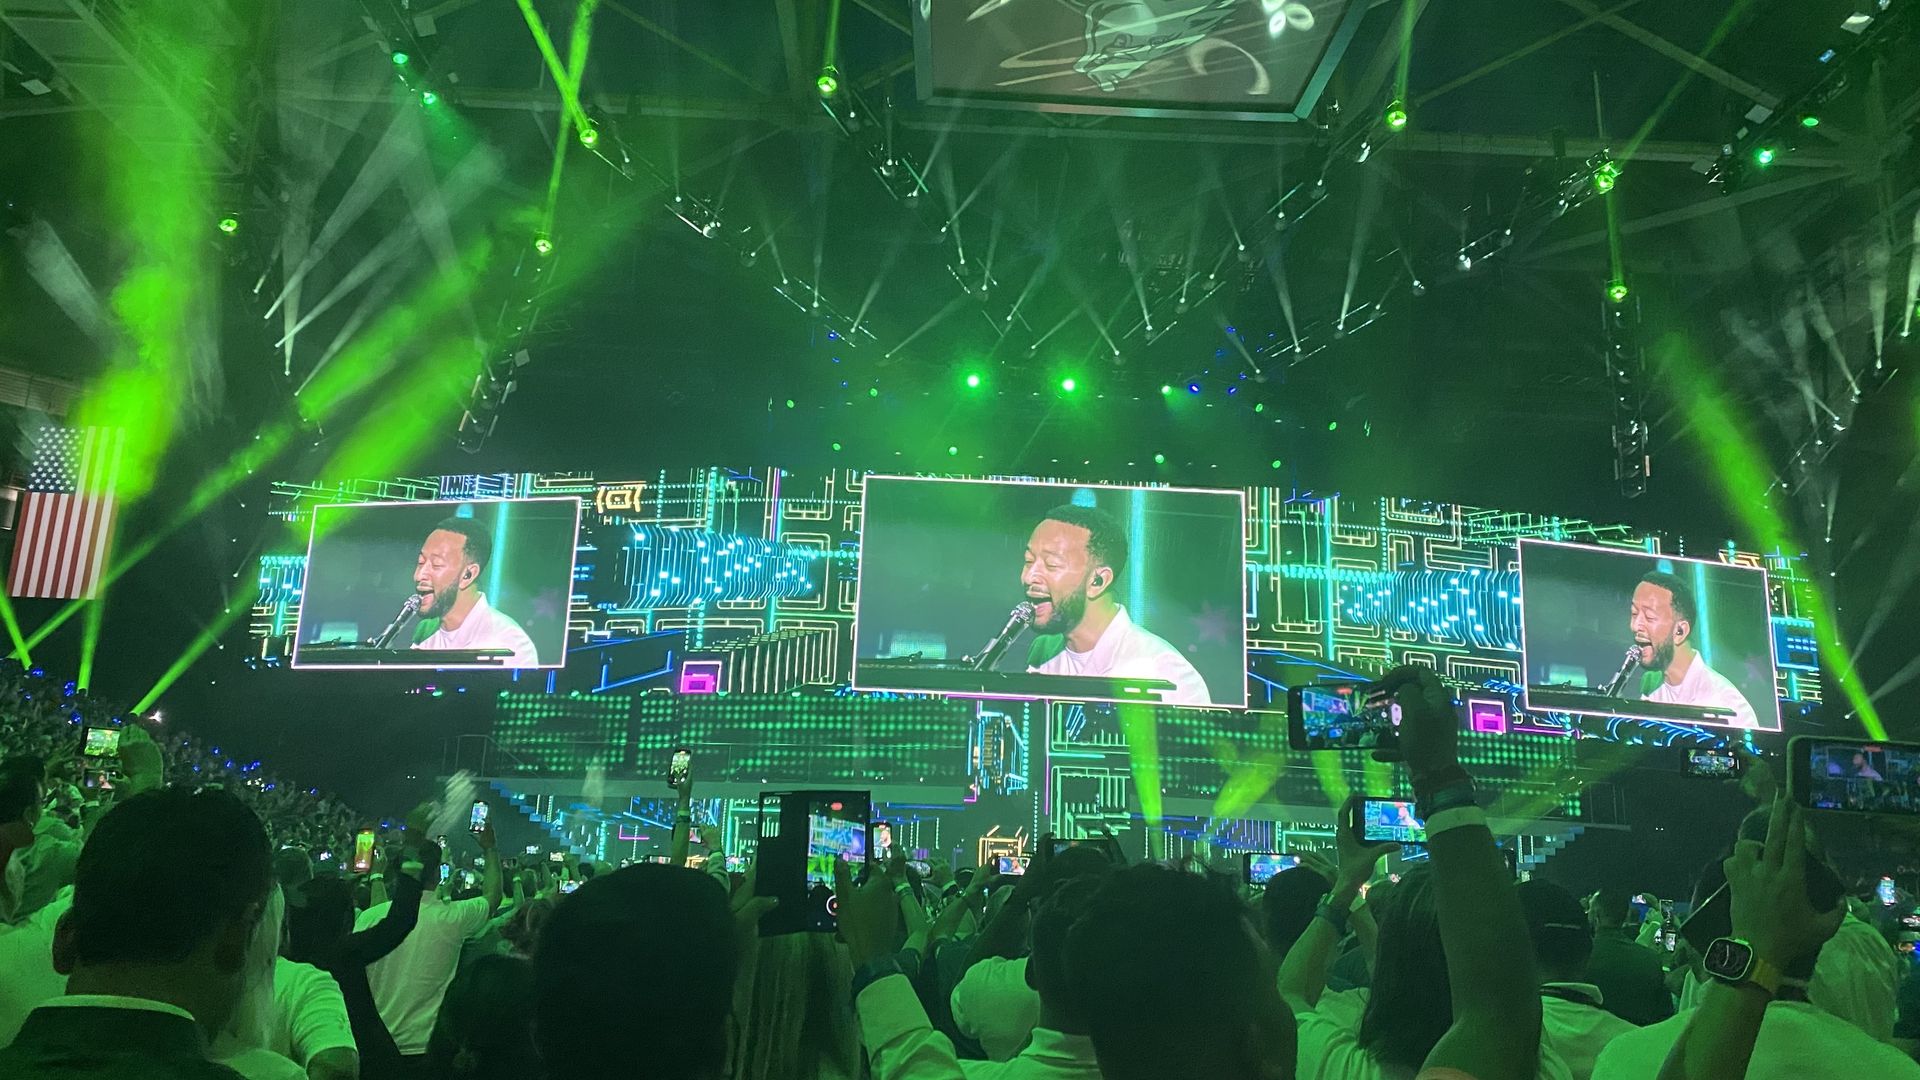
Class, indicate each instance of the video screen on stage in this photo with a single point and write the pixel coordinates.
(479, 584)
(1613, 632)
(1019, 589)
(1264, 59)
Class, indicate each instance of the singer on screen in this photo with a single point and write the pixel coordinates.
(1073, 558)
(454, 613)
(1662, 621)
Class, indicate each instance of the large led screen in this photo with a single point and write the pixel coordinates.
(1616, 632)
(482, 584)
(1016, 589)
(1247, 59)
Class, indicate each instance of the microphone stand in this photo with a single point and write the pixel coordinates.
(412, 605)
(1017, 620)
(1619, 679)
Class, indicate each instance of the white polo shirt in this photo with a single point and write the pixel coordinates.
(1126, 651)
(409, 982)
(1796, 1042)
(486, 627)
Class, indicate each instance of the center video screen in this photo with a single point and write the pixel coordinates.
(1611, 632)
(1082, 592)
(438, 585)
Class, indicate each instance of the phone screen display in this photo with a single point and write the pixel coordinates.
(1337, 717)
(1855, 775)
(1010, 864)
(679, 768)
(834, 835)
(478, 819)
(1711, 764)
(102, 742)
(556, 856)
(1886, 892)
(1262, 865)
(1390, 821)
(363, 851)
(882, 840)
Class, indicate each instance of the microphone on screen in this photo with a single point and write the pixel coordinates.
(1018, 620)
(412, 605)
(1612, 689)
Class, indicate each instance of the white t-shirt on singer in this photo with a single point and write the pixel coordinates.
(1126, 651)
(1702, 685)
(486, 627)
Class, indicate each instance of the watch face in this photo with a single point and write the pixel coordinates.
(1728, 959)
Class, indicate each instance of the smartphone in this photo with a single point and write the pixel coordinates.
(679, 768)
(325, 856)
(1258, 867)
(556, 856)
(1860, 776)
(1010, 864)
(533, 849)
(1106, 845)
(920, 867)
(363, 851)
(477, 820)
(1385, 821)
(810, 833)
(1711, 764)
(1886, 892)
(1669, 933)
(569, 886)
(101, 742)
(736, 864)
(882, 839)
(1338, 716)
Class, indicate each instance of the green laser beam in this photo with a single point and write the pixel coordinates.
(20, 645)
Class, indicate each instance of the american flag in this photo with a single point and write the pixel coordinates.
(60, 542)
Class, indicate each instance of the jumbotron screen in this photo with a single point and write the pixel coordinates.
(1052, 590)
(480, 584)
(1613, 632)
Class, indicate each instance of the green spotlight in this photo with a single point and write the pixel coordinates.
(1275, 463)
(973, 381)
(400, 59)
(428, 97)
(1764, 156)
(1159, 459)
(790, 403)
(873, 391)
(953, 451)
(1068, 385)
(829, 81)
(1397, 116)
(836, 448)
(542, 245)
(1605, 177)
(1259, 406)
(1810, 121)
(1165, 389)
(589, 137)
(229, 224)
(1333, 425)
(1617, 291)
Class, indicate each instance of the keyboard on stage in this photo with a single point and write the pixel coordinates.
(1580, 699)
(360, 656)
(957, 677)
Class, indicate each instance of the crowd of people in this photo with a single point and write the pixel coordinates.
(189, 941)
(44, 717)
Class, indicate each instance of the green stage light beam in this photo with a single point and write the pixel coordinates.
(562, 78)
(20, 645)
(90, 639)
(1746, 478)
(236, 609)
(1141, 729)
(1735, 15)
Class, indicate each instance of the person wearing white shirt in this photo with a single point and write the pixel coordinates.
(1574, 1021)
(902, 1045)
(454, 612)
(409, 982)
(995, 1005)
(1661, 620)
(311, 1025)
(1073, 558)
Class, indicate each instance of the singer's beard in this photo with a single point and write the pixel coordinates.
(1063, 614)
(436, 604)
(1661, 658)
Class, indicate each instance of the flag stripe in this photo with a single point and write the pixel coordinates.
(62, 540)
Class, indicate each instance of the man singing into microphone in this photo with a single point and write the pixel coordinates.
(1662, 622)
(454, 612)
(1074, 557)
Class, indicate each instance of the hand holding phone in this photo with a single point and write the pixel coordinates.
(680, 770)
(1429, 728)
(1770, 907)
(363, 850)
(477, 818)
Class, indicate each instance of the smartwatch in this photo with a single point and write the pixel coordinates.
(1732, 960)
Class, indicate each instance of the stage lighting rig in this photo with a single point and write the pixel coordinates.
(1627, 382)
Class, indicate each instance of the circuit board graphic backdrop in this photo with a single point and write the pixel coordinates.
(746, 577)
